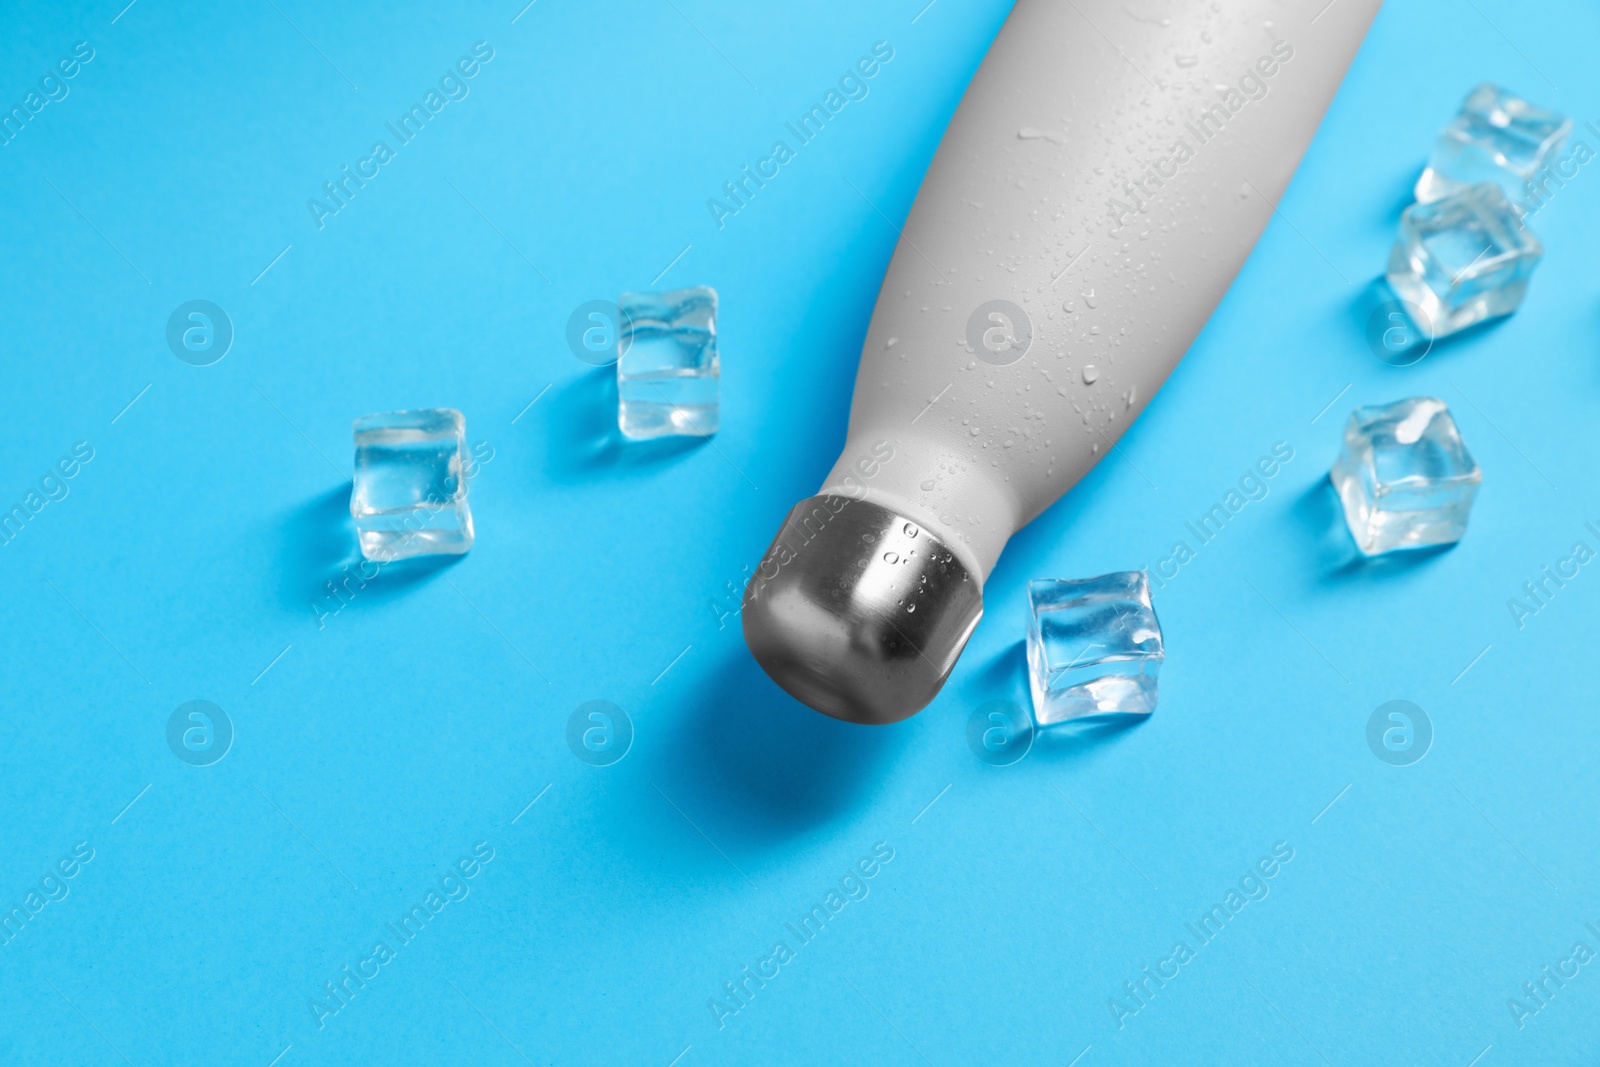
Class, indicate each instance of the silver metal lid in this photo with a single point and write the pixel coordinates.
(859, 612)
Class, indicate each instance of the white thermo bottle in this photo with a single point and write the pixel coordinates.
(1106, 174)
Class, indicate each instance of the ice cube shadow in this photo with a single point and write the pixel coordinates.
(1075, 737)
(1320, 517)
(1405, 194)
(1005, 677)
(584, 438)
(316, 535)
(394, 579)
(1377, 293)
(320, 547)
(761, 767)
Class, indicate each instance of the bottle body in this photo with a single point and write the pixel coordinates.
(1101, 183)
(1087, 209)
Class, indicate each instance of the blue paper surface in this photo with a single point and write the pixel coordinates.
(380, 751)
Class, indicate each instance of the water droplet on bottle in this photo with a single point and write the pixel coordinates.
(1090, 374)
(891, 342)
(1088, 298)
(911, 607)
(928, 486)
(911, 529)
(976, 431)
(891, 557)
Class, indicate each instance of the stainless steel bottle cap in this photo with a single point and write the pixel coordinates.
(857, 611)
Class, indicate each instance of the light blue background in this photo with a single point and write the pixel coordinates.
(426, 715)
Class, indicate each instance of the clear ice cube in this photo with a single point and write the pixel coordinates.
(1495, 137)
(667, 368)
(1405, 477)
(1094, 647)
(1463, 260)
(409, 492)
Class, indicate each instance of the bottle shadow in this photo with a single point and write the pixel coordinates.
(765, 767)
(585, 440)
